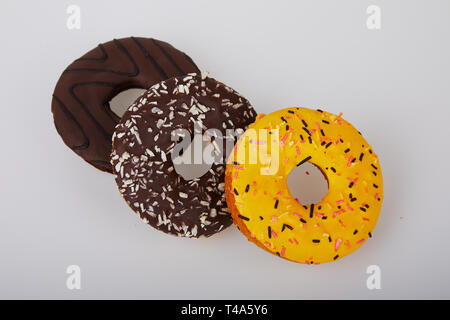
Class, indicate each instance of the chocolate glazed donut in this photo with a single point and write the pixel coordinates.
(80, 103)
(143, 149)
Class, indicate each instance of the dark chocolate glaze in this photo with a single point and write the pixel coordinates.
(143, 146)
(81, 98)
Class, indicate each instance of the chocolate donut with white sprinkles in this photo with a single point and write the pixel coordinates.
(143, 147)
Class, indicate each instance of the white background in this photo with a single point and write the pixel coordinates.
(392, 84)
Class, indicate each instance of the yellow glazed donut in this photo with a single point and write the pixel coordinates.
(265, 211)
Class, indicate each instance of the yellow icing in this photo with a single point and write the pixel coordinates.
(254, 189)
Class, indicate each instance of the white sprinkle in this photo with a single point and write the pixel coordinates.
(183, 195)
(194, 230)
(149, 152)
(172, 102)
(156, 110)
(194, 110)
(202, 107)
(159, 123)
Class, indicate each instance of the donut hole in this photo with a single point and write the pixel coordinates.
(121, 101)
(307, 183)
(195, 161)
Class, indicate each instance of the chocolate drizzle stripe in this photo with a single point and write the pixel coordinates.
(83, 106)
(70, 116)
(169, 57)
(191, 62)
(150, 58)
(103, 58)
(100, 162)
(134, 73)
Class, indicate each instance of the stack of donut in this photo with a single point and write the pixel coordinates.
(249, 186)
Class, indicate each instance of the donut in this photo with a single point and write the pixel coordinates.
(80, 103)
(263, 207)
(143, 148)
